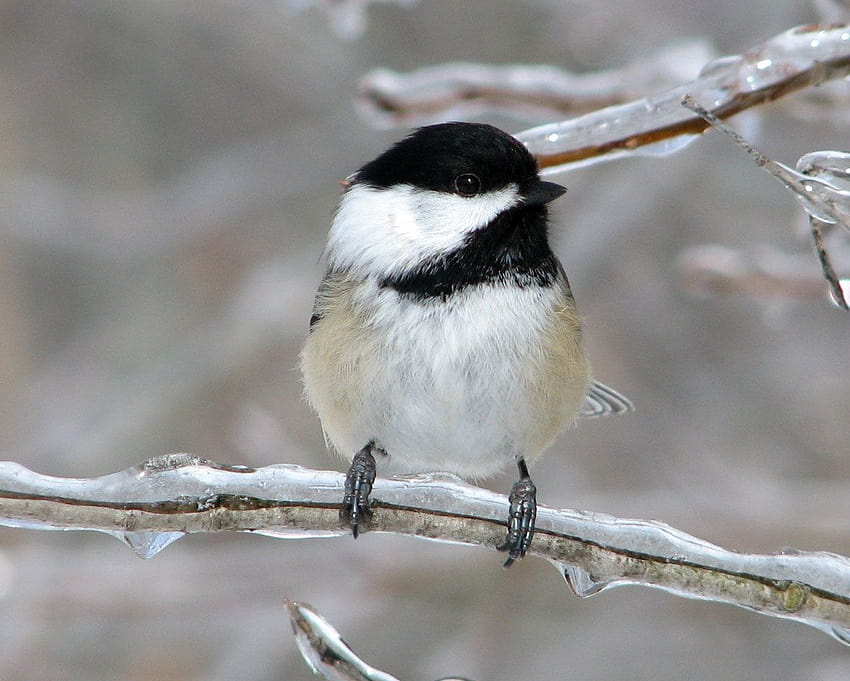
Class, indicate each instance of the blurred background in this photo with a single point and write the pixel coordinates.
(168, 171)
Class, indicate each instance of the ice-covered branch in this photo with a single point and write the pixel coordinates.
(461, 90)
(799, 58)
(327, 653)
(151, 505)
(821, 184)
(816, 187)
(653, 125)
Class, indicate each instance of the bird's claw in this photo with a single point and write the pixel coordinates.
(355, 511)
(521, 517)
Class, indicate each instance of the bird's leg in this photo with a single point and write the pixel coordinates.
(355, 510)
(521, 516)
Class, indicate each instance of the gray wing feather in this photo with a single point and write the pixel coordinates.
(320, 302)
(601, 400)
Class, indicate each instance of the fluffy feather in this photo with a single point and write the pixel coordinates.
(465, 386)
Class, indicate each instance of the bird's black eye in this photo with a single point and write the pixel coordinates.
(467, 184)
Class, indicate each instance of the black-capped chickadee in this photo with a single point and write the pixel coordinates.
(444, 335)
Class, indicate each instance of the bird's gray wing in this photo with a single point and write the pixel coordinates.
(600, 400)
(326, 291)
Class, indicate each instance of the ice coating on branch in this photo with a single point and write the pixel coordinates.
(584, 584)
(327, 654)
(829, 174)
(804, 55)
(654, 124)
(533, 92)
(821, 185)
(832, 169)
(151, 505)
(819, 190)
(148, 544)
(323, 649)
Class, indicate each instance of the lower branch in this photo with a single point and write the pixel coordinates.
(151, 505)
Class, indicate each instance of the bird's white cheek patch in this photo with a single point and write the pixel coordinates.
(391, 229)
(448, 218)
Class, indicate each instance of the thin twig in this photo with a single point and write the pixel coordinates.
(824, 203)
(826, 264)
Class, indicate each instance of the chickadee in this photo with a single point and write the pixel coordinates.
(444, 334)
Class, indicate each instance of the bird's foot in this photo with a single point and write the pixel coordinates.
(521, 517)
(355, 511)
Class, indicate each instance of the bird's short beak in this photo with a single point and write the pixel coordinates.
(541, 192)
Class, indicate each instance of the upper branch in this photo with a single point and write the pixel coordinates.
(799, 58)
(657, 124)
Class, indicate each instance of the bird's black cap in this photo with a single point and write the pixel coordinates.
(433, 156)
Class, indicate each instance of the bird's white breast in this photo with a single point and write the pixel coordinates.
(463, 384)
